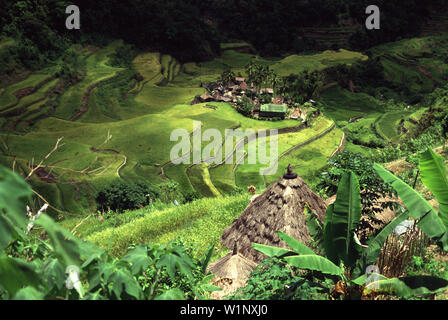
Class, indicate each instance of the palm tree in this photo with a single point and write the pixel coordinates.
(227, 76)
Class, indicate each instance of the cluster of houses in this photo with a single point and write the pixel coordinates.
(219, 92)
(233, 91)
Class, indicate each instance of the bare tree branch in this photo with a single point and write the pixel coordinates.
(40, 165)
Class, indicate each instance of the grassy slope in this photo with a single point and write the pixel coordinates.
(7, 97)
(329, 58)
(249, 174)
(97, 70)
(200, 223)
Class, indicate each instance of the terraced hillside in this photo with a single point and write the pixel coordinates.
(370, 116)
(116, 126)
(331, 37)
(436, 23)
(414, 65)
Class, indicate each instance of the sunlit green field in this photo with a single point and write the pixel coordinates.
(115, 127)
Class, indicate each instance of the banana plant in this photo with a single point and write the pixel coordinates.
(341, 220)
(434, 176)
(347, 260)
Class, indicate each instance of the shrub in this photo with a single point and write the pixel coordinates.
(274, 280)
(301, 87)
(123, 56)
(170, 191)
(244, 106)
(372, 186)
(73, 67)
(191, 196)
(121, 196)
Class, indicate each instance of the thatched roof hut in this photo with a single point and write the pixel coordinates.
(279, 207)
(232, 272)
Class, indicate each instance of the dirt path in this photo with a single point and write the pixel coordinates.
(307, 142)
(121, 166)
(341, 145)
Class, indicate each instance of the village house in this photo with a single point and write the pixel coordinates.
(273, 110)
(296, 114)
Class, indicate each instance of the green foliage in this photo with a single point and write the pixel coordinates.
(260, 75)
(439, 97)
(244, 106)
(301, 87)
(120, 196)
(170, 27)
(434, 176)
(427, 265)
(375, 244)
(73, 67)
(316, 229)
(32, 269)
(432, 136)
(273, 30)
(273, 279)
(434, 119)
(123, 56)
(409, 286)
(200, 222)
(14, 193)
(351, 258)
(428, 219)
(227, 76)
(373, 188)
(341, 221)
(191, 196)
(170, 191)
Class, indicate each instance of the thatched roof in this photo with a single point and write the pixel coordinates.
(232, 272)
(233, 266)
(279, 207)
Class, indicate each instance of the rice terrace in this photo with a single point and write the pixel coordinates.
(209, 150)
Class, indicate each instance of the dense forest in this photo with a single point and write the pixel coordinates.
(192, 30)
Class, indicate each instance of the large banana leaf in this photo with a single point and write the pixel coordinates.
(418, 207)
(361, 280)
(316, 263)
(271, 251)
(373, 250)
(409, 286)
(295, 245)
(14, 194)
(330, 250)
(434, 176)
(345, 218)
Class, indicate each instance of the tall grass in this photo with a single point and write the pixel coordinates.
(398, 251)
(200, 222)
